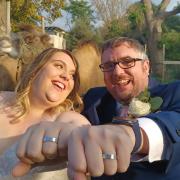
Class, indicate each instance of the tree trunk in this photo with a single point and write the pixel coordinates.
(155, 53)
(154, 21)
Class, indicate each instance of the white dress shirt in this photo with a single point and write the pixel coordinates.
(156, 141)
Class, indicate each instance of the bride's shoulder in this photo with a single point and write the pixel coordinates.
(7, 100)
(6, 96)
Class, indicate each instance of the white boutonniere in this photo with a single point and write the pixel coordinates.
(143, 104)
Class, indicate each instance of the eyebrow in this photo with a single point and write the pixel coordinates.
(120, 58)
(54, 60)
(125, 57)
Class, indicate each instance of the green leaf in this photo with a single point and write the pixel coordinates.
(144, 96)
(155, 103)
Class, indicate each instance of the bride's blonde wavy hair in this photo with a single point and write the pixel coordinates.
(72, 102)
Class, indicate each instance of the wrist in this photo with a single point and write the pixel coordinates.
(133, 130)
(144, 148)
(130, 133)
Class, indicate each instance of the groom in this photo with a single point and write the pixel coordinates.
(147, 148)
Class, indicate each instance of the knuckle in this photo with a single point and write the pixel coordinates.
(110, 172)
(79, 167)
(123, 166)
(43, 124)
(34, 156)
(96, 173)
(95, 167)
(110, 168)
(106, 133)
(96, 170)
(122, 169)
(118, 140)
(49, 151)
(31, 154)
(90, 133)
(76, 133)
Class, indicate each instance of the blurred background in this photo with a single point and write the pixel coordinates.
(155, 23)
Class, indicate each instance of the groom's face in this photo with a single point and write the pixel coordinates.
(124, 84)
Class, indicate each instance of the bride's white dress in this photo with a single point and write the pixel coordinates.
(9, 159)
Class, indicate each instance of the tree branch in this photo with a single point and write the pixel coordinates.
(110, 10)
(148, 12)
(173, 12)
(163, 5)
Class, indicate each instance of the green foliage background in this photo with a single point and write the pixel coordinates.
(31, 11)
(84, 24)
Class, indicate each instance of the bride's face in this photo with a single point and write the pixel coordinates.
(55, 81)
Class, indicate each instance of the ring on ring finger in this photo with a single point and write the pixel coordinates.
(49, 154)
(109, 156)
(49, 139)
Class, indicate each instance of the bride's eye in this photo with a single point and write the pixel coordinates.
(59, 66)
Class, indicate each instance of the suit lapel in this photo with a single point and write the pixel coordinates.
(106, 109)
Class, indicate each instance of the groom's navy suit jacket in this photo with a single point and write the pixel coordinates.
(100, 108)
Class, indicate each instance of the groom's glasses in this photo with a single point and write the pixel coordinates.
(124, 63)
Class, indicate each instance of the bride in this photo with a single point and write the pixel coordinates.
(47, 88)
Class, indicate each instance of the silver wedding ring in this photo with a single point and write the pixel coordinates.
(49, 139)
(109, 156)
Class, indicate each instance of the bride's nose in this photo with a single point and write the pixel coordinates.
(65, 76)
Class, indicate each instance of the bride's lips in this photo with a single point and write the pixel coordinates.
(60, 85)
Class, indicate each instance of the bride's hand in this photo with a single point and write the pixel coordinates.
(46, 140)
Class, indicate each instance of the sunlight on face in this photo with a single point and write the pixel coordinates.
(124, 84)
(55, 80)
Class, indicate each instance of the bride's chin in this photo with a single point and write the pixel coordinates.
(51, 98)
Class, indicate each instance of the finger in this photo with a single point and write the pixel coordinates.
(75, 175)
(21, 148)
(94, 159)
(63, 139)
(34, 145)
(49, 149)
(108, 148)
(110, 165)
(123, 157)
(20, 169)
(76, 154)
